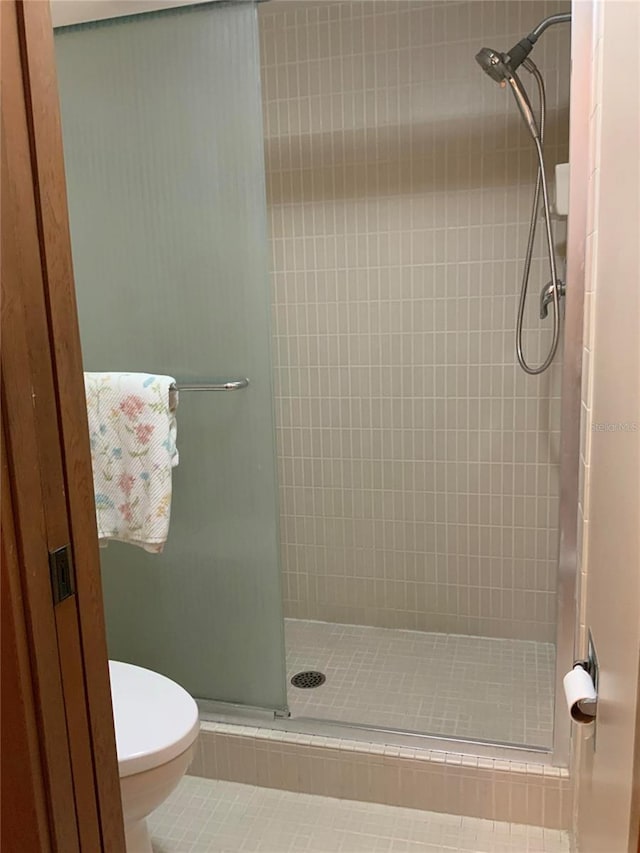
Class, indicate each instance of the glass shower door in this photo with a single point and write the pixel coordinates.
(164, 156)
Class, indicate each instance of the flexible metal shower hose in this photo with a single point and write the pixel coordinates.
(541, 182)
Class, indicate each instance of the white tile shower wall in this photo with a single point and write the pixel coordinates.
(418, 465)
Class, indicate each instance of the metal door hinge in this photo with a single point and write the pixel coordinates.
(62, 576)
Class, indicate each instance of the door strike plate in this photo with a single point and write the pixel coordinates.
(62, 576)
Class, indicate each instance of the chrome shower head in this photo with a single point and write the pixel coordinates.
(493, 63)
(502, 67)
(499, 68)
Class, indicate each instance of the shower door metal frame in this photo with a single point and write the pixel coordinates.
(567, 623)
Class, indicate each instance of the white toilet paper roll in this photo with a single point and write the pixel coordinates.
(580, 693)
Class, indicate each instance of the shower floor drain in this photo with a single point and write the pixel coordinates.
(309, 678)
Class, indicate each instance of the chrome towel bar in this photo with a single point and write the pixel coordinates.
(229, 385)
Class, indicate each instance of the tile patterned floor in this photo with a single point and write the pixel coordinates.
(444, 684)
(209, 816)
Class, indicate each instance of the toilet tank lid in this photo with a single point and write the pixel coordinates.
(155, 719)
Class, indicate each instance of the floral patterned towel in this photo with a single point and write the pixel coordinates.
(133, 449)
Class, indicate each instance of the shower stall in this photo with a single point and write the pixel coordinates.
(331, 200)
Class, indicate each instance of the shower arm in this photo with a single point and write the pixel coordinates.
(520, 51)
(562, 18)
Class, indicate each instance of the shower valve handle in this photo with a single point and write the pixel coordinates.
(546, 296)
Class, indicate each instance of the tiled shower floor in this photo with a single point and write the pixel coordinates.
(209, 816)
(442, 684)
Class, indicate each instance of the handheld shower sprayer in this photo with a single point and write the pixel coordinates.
(498, 68)
(524, 104)
(502, 67)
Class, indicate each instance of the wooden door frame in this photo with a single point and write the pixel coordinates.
(67, 355)
(47, 484)
(25, 802)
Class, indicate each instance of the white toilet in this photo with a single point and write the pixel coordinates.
(156, 724)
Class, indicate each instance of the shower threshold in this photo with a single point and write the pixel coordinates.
(315, 730)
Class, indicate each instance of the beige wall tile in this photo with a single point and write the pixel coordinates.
(418, 464)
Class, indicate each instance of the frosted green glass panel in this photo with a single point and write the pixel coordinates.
(163, 147)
